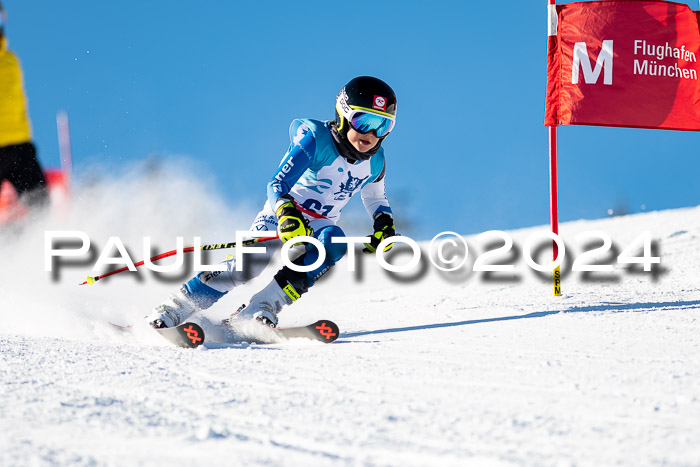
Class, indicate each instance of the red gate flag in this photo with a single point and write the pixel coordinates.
(624, 63)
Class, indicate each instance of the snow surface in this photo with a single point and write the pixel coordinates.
(430, 369)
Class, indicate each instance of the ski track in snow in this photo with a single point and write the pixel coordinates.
(431, 371)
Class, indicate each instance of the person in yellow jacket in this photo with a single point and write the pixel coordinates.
(18, 162)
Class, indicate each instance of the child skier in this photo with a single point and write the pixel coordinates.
(327, 163)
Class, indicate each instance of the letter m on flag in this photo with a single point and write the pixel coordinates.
(582, 61)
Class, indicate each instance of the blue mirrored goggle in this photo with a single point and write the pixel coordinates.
(364, 122)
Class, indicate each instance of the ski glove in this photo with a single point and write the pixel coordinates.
(383, 229)
(290, 221)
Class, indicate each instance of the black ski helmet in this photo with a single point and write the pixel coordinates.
(365, 93)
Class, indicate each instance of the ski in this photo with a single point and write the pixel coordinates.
(188, 335)
(323, 331)
(191, 335)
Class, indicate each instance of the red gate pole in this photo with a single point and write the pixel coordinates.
(64, 145)
(553, 204)
(553, 193)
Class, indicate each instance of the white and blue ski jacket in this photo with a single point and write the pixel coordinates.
(320, 179)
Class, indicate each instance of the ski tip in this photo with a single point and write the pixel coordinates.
(193, 335)
(189, 335)
(327, 330)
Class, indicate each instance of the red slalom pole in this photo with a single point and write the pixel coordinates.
(554, 204)
(215, 246)
(553, 192)
(64, 151)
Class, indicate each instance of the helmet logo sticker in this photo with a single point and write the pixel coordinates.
(379, 103)
(343, 102)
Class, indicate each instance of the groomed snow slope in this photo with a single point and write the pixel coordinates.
(435, 369)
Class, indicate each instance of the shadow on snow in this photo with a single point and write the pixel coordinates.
(606, 307)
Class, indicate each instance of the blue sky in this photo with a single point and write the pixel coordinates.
(220, 81)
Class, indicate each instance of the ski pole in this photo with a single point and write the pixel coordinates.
(214, 246)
